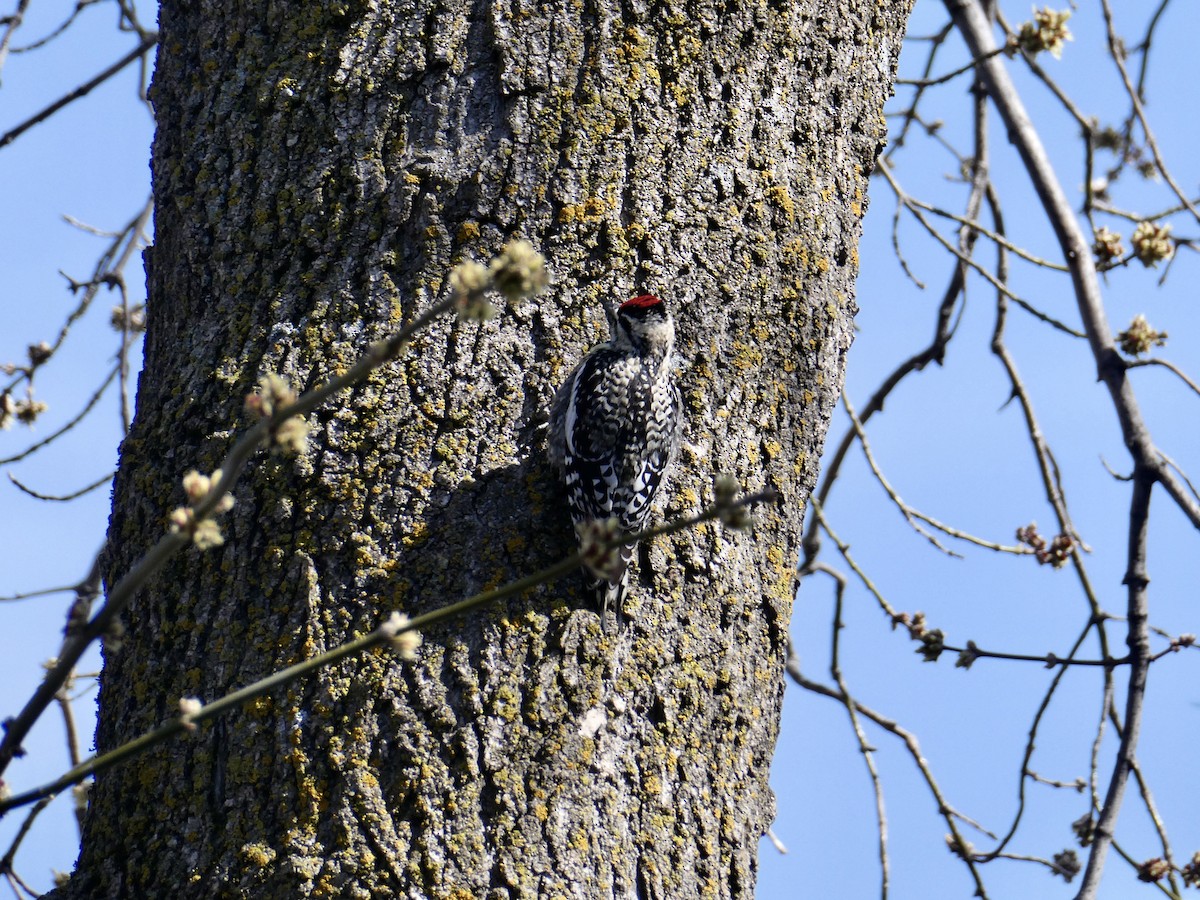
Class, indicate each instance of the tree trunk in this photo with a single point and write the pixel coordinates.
(318, 169)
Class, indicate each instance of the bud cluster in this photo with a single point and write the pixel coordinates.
(189, 708)
(1066, 864)
(274, 393)
(24, 411)
(732, 514)
(131, 319)
(1152, 243)
(1154, 869)
(1191, 871)
(404, 641)
(1107, 247)
(1056, 552)
(599, 544)
(1084, 829)
(1046, 32)
(204, 532)
(1139, 337)
(518, 272)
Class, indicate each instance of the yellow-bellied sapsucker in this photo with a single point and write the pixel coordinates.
(614, 429)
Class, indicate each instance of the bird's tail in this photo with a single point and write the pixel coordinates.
(610, 595)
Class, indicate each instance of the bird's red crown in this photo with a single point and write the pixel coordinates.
(645, 301)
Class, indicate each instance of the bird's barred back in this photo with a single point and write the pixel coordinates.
(620, 437)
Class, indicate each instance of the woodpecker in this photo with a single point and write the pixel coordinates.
(614, 429)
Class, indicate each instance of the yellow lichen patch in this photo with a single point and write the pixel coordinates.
(452, 446)
(779, 197)
(259, 707)
(795, 253)
(365, 551)
(468, 231)
(746, 356)
(634, 45)
(590, 210)
(780, 575)
(798, 465)
(417, 537)
(690, 48)
(257, 855)
(579, 841)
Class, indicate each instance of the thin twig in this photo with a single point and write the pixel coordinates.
(937, 236)
(10, 855)
(914, 516)
(61, 498)
(80, 6)
(82, 91)
(844, 550)
(44, 592)
(864, 746)
(949, 815)
(10, 28)
(1152, 811)
(1137, 363)
(55, 435)
(910, 115)
(909, 201)
(942, 79)
(1116, 52)
(107, 269)
(776, 842)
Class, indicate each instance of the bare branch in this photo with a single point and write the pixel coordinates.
(1117, 53)
(1136, 581)
(83, 90)
(79, 417)
(61, 498)
(948, 813)
(1136, 363)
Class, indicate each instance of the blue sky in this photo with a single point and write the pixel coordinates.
(954, 450)
(947, 441)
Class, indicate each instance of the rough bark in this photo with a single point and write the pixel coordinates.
(318, 168)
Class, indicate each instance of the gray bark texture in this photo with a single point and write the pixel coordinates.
(318, 169)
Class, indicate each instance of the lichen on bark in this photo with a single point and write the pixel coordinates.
(318, 169)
